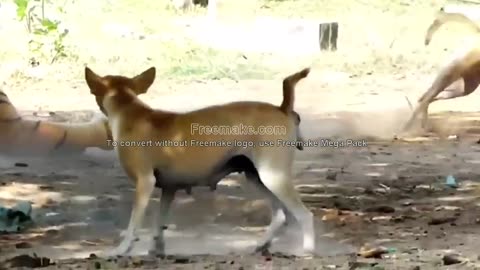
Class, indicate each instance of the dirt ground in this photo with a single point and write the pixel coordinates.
(389, 194)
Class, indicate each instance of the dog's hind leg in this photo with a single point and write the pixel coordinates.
(456, 89)
(277, 178)
(160, 220)
(460, 88)
(446, 78)
(280, 216)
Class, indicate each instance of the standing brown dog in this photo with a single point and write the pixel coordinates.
(184, 152)
(457, 79)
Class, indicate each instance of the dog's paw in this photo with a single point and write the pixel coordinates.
(263, 249)
(157, 247)
(306, 255)
(121, 250)
(417, 132)
(110, 253)
(157, 253)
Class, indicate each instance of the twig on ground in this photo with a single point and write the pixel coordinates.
(409, 103)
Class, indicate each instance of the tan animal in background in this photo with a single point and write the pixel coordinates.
(20, 134)
(457, 79)
(443, 17)
(203, 160)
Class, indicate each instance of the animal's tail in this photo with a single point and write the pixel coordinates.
(443, 17)
(289, 89)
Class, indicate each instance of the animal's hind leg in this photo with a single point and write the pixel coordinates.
(277, 178)
(464, 65)
(447, 76)
(280, 216)
(456, 89)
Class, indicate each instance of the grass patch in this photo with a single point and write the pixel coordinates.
(197, 62)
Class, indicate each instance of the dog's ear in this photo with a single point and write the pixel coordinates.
(143, 81)
(96, 83)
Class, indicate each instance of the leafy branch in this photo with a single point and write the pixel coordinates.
(44, 31)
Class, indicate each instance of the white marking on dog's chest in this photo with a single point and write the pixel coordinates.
(114, 123)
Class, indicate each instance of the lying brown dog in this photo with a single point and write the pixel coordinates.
(188, 158)
(457, 79)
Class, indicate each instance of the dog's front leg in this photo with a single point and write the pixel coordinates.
(160, 221)
(145, 184)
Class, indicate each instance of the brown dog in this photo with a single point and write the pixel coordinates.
(457, 79)
(183, 156)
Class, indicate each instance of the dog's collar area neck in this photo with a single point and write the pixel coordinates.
(105, 100)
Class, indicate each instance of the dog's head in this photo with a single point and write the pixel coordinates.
(120, 89)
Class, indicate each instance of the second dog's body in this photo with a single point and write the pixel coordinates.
(460, 77)
(191, 155)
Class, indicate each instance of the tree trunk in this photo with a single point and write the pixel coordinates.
(328, 34)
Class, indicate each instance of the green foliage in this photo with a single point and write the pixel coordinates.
(21, 8)
(47, 39)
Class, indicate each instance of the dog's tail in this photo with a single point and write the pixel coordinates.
(289, 84)
(443, 17)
